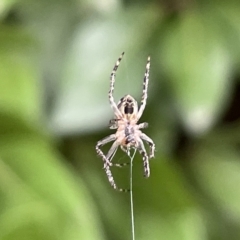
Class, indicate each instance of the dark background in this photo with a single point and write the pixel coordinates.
(55, 62)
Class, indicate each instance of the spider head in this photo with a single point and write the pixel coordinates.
(128, 106)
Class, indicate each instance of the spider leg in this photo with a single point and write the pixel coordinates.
(124, 149)
(121, 164)
(113, 124)
(112, 81)
(111, 154)
(108, 158)
(143, 152)
(142, 125)
(102, 142)
(112, 151)
(145, 87)
(111, 180)
(150, 142)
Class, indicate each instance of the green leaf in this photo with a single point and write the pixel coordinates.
(5, 6)
(186, 225)
(39, 196)
(40, 188)
(229, 20)
(198, 66)
(19, 77)
(216, 167)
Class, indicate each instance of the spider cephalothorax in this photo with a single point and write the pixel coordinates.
(128, 133)
(128, 106)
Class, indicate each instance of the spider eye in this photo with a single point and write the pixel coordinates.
(128, 110)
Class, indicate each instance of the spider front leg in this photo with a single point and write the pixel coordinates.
(150, 142)
(145, 88)
(143, 152)
(110, 93)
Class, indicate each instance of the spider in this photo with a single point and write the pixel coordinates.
(128, 134)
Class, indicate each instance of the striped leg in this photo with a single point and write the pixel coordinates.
(112, 151)
(111, 180)
(110, 94)
(143, 152)
(110, 156)
(102, 142)
(150, 143)
(122, 164)
(145, 87)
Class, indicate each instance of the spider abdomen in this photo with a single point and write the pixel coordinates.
(129, 135)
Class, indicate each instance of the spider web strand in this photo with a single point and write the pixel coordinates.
(131, 192)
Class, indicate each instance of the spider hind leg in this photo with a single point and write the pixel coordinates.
(143, 152)
(111, 180)
(102, 142)
(150, 143)
(108, 158)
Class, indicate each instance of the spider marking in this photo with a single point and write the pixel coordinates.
(128, 134)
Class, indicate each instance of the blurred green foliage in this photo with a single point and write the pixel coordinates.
(55, 61)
